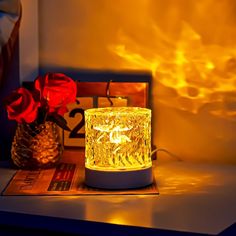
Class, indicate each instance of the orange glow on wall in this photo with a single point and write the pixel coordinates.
(188, 45)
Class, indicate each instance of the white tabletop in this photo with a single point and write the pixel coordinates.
(193, 197)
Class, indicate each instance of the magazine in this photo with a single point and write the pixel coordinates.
(67, 178)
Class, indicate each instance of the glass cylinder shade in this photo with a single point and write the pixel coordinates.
(118, 140)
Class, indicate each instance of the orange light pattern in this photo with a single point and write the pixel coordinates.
(196, 71)
(188, 45)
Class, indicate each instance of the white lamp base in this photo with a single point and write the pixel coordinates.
(118, 179)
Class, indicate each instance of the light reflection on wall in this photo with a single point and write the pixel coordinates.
(192, 60)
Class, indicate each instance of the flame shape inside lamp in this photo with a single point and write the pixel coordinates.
(118, 147)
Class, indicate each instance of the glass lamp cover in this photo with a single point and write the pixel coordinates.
(118, 138)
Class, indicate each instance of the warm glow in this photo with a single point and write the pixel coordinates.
(176, 180)
(115, 133)
(196, 71)
(190, 47)
(118, 138)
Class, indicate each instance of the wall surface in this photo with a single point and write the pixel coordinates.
(29, 41)
(189, 46)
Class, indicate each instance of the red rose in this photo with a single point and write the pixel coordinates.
(58, 89)
(21, 106)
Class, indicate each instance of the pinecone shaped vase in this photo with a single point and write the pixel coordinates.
(36, 147)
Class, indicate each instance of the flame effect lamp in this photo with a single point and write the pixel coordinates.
(118, 147)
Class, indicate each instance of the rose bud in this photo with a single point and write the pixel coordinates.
(21, 106)
(58, 90)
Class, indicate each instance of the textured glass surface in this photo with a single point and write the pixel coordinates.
(36, 147)
(118, 138)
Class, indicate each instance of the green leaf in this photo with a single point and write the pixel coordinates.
(59, 120)
(42, 113)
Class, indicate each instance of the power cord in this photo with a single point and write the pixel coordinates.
(167, 152)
